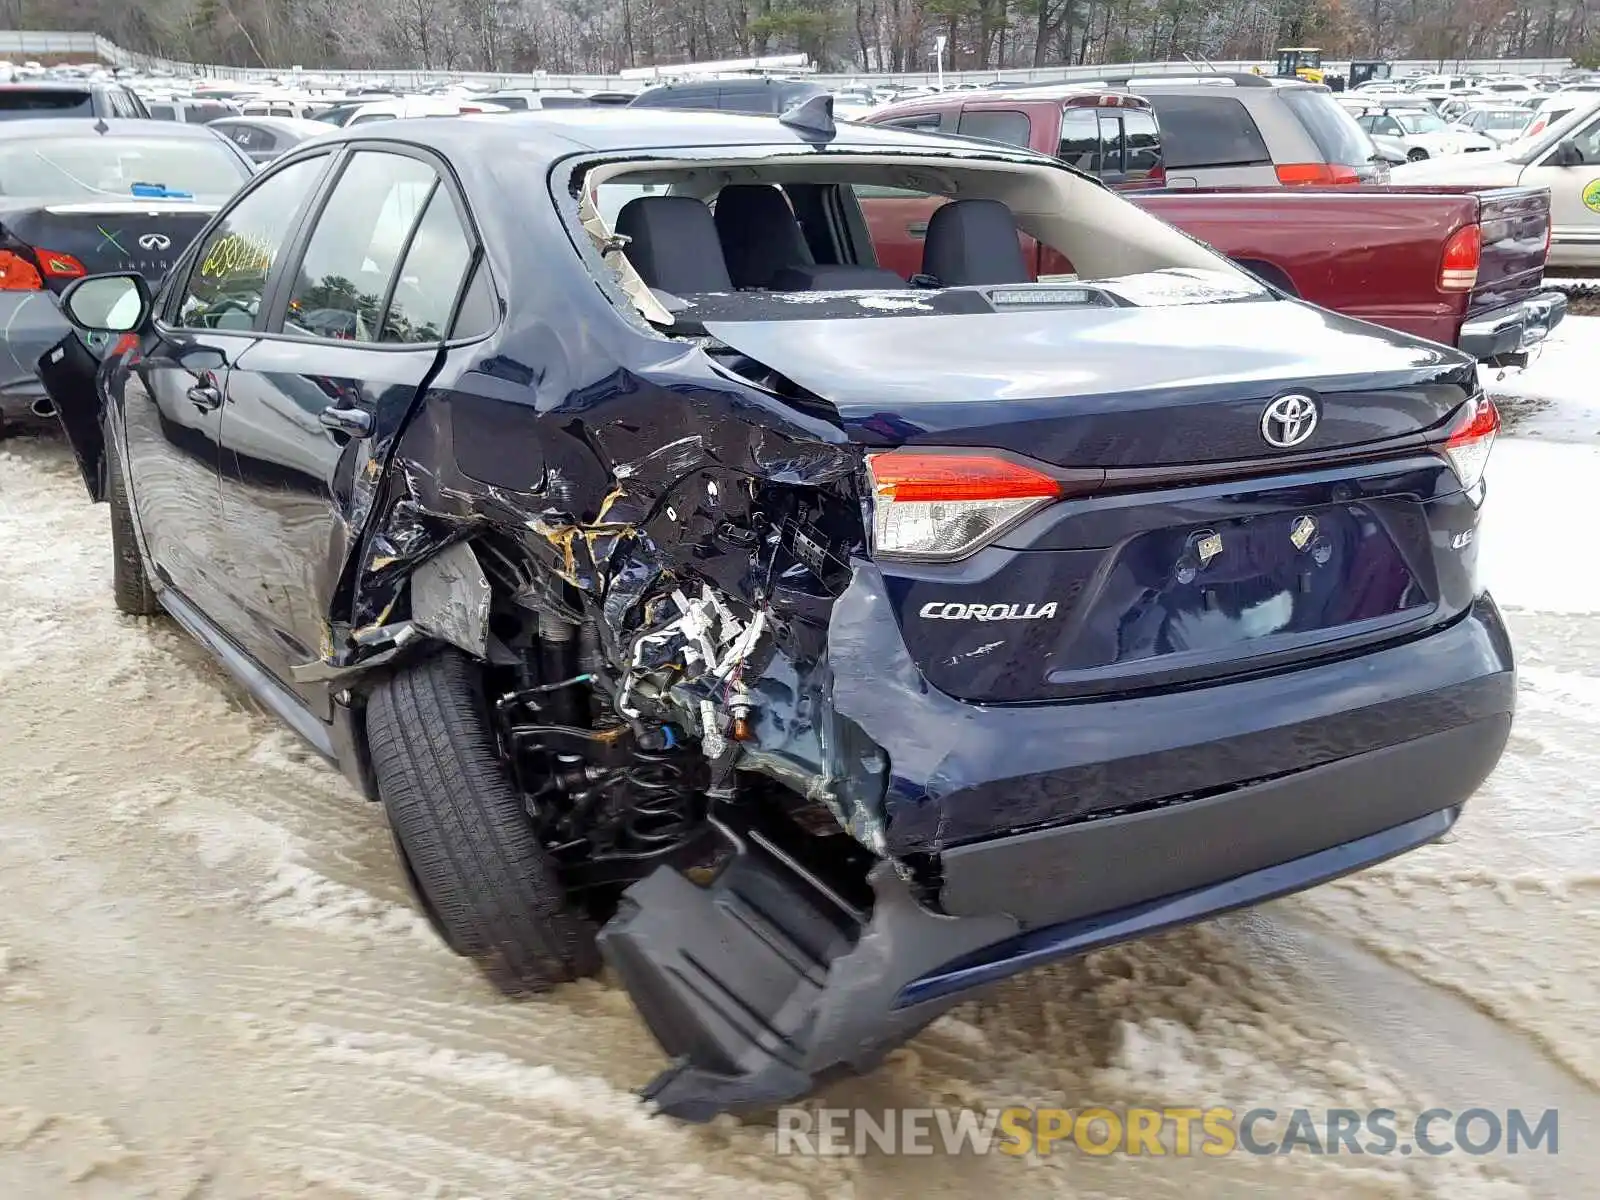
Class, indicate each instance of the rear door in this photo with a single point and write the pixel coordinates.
(360, 318)
(173, 392)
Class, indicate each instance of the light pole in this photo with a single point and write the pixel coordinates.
(938, 58)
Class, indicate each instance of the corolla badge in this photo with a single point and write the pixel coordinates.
(1289, 420)
(940, 611)
(155, 241)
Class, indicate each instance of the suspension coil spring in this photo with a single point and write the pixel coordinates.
(666, 809)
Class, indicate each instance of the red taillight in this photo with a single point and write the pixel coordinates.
(1157, 176)
(18, 274)
(1302, 174)
(1468, 447)
(55, 265)
(1458, 272)
(939, 507)
(914, 475)
(128, 341)
(1534, 128)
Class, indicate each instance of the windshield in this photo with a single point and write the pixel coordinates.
(1332, 129)
(1506, 118)
(66, 169)
(1419, 122)
(340, 114)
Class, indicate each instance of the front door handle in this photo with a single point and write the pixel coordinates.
(205, 396)
(352, 422)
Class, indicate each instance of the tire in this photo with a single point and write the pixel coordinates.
(130, 586)
(465, 840)
(1417, 155)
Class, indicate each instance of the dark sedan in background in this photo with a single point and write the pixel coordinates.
(80, 197)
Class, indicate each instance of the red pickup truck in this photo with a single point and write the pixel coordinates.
(1457, 265)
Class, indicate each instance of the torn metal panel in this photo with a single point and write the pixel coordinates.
(450, 599)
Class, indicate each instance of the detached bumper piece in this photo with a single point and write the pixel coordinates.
(1510, 336)
(768, 980)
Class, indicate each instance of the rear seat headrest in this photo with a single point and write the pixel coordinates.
(973, 242)
(759, 233)
(673, 244)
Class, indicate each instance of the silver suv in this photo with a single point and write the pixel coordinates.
(1228, 129)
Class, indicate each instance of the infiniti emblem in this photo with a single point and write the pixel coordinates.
(155, 241)
(1289, 420)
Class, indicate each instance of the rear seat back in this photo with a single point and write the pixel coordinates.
(673, 244)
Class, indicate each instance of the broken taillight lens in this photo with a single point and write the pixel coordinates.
(1468, 447)
(937, 506)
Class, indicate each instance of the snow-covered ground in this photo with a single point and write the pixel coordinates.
(212, 985)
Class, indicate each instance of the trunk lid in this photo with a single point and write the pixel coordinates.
(1111, 387)
(146, 236)
(1184, 547)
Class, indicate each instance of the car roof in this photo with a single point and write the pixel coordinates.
(57, 85)
(604, 128)
(48, 127)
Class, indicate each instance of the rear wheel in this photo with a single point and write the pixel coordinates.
(130, 586)
(467, 844)
(1416, 155)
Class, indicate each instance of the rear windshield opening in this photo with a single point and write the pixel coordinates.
(785, 237)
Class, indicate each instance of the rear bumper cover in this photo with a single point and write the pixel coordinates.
(1509, 336)
(767, 981)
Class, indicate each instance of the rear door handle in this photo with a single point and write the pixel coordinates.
(918, 229)
(205, 396)
(352, 422)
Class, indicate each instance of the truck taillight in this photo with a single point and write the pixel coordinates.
(55, 265)
(1468, 447)
(941, 505)
(1304, 174)
(1458, 271)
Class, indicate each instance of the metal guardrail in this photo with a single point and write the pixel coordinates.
(21, 46)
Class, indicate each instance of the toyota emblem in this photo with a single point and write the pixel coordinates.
(155, 241)
(1289, 420)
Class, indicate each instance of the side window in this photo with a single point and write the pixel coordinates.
(1588, 142)
(1013, 128)
(341, 282)
(229, 274)
(1386, 125)
(1111, 144)
(1208, 131)
(480, 307)
(368, 118)
(1143, 142)
(1080, 139)
(430, 278)
(927, 122)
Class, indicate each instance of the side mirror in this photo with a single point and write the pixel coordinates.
(1567, 154)
(107, 303)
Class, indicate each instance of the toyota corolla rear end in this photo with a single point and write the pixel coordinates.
(1186, 599)
(1119, 656)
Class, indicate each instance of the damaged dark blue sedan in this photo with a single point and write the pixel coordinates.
(810, 644)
